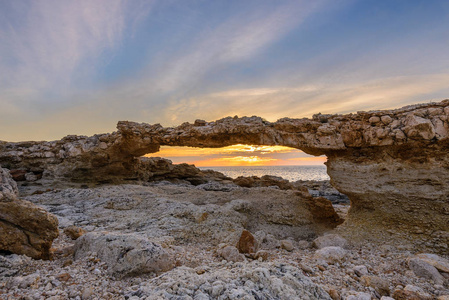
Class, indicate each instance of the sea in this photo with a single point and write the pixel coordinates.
(291, 173)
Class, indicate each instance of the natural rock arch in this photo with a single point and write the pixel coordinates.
(393, 164)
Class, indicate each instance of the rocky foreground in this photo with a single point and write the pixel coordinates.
(174, 241)
(88, 218)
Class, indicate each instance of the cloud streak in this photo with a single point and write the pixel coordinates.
(304, 101)
(50, 47)
(239, 38)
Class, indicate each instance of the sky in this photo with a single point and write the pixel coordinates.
(78, 67)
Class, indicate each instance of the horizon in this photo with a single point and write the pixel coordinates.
(238, 155)
(77, 67)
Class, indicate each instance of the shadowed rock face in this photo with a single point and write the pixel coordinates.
(393, 164)
(24, 227)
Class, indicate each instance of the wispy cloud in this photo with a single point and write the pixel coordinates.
(47, 45)
(304, 101)
(239, 38)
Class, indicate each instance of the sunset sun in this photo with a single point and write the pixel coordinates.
(238, 155)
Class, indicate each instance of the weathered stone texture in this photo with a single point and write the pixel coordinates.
(393, 164)
(24, 227)
(8, 187)
(124, 254)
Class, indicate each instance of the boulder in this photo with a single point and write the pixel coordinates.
(247, 243)
(264, 181)
(74, 232)
(411, 292)
(437, 261)
(230, 253)
(323, 212)
(124, 254)
(329, 240)
(287, 245)
(8, 187)
(25, 228)
(423, 269)
(381, 285)
(331, 254)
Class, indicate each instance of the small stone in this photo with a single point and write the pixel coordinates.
(74, 232)
(360, 270)
(201, 296)
(87, 293)
(382, 286)
(231, 253)
(335, 295)
(321, 268)
(330, 240)
(443, 297)
(409, 295)
(413, 288)
(64, 277)
(247, 243)
(31, 176)
(66, 251)
(199, 122)
(18, 175)
(287, 245)
(359, 296)
(96, 272)
(303, 245)
(386, 119)
(262, 254)
(374, 120)
(67, 263)
(386, 298)
(306, 268)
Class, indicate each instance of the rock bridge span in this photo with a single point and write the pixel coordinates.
(392, 164)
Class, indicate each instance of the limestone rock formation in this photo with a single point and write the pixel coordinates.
(24, 227)
(125, 254)
(264, 181)
(392, 164)
(8, 187)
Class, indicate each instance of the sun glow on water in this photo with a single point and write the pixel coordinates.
(239, 155)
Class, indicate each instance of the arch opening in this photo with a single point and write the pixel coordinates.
(253, 160)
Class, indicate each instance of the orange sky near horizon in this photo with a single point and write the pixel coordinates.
(238, 155)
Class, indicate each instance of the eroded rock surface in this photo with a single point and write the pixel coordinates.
(392, 164)
(124, 254)
(24, 227)
(8, 187)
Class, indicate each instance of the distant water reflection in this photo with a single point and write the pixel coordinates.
(291, 173)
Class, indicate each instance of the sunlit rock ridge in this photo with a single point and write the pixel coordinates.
(393, 164)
